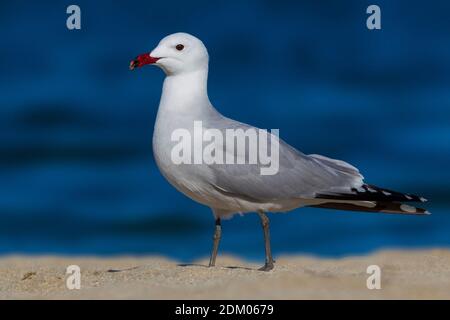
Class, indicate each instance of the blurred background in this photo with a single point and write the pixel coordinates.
(76, 166)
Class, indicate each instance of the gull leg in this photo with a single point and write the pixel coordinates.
(216, 240)
(265, 225)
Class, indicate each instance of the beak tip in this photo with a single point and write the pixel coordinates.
(133, 65)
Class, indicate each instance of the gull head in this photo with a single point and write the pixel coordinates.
(176, 54)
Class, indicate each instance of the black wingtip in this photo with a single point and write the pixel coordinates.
(369, 192)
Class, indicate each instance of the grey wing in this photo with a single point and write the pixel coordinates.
(298, 175)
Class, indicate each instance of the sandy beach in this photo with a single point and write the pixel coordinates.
(404, 275)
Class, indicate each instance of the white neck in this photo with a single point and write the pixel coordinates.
(186, 92)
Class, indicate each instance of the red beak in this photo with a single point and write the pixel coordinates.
(142, 60)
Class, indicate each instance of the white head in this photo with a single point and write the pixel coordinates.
(176, 54)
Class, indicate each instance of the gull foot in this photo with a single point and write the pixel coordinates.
(267, 267)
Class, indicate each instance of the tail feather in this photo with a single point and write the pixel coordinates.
(376, 206)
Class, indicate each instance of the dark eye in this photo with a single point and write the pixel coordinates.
(179, 47)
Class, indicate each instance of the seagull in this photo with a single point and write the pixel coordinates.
(301, 180)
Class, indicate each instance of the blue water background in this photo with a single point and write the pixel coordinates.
(76, 167)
